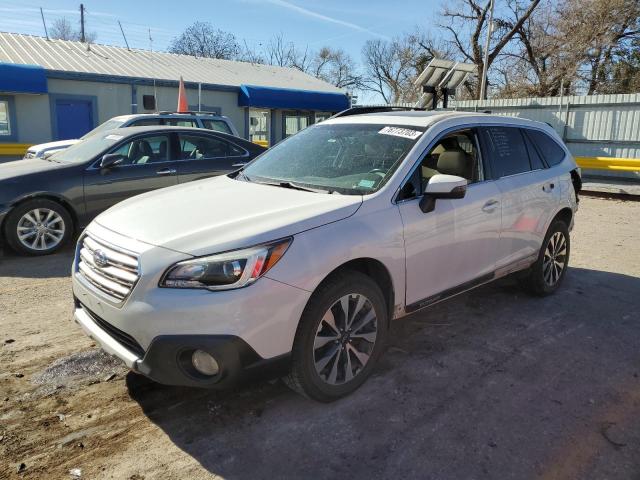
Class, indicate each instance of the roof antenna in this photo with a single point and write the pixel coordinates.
(44, 24)
(124, 36)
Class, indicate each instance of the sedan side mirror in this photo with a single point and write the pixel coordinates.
(111, 160)
(442, 186)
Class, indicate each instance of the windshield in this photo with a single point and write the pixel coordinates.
(87, 149)
(108, 125)
(353, 159)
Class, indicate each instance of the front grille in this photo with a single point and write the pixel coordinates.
(124, 339)
(112, 271)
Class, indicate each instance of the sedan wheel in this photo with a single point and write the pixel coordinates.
(345, 339)
(41, 229)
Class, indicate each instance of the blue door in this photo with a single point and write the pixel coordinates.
(74, 118)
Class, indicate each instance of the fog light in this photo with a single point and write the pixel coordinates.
(204, 363)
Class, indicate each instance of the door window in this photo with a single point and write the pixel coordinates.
(505, 146)
(143, 122)
(216, 125)
(176, 122)
(196, 147)
(144, 150)
(260, 126)
(549, 148)
(534, 156)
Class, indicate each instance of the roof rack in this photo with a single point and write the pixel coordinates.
(379, 109)
(167, 112)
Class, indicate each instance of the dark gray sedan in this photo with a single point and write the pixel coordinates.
(43, 201)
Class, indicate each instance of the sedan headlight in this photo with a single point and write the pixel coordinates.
(226, 271)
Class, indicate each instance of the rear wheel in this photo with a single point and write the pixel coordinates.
(547, 273)
(38, 227)
(340, 338)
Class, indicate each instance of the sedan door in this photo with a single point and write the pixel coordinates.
(205, 155)
(146, 165)
(453, 247)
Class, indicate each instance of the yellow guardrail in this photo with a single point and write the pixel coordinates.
(609, 163)
(13, 149)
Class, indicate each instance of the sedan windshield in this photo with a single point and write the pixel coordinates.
(353, 159)
(108, 125)
(88, 149)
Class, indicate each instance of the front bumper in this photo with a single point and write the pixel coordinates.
(167, 360)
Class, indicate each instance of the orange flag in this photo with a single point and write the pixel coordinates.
(183, 105)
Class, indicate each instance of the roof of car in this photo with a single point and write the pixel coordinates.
(168, 115)
(128, 131)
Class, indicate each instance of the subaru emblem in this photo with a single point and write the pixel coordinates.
(100, 259)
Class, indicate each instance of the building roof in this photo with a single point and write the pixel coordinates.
(78, 57)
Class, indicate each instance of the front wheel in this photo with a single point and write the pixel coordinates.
(340, 337)
(546, 274)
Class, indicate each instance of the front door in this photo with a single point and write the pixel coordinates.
(146, 166)
(74, 118)
(454, 246)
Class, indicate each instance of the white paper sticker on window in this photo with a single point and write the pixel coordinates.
(401, 132)
(113, 137)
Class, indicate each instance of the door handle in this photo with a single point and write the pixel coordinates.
(490, 206)
(166, 171)
(238, 165)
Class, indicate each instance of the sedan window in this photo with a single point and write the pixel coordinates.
(144, 150)
(196, 147)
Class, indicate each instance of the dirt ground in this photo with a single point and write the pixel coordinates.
(490, 384)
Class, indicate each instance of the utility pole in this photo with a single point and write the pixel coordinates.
(46, 34)
(485, 66)
(82, 39)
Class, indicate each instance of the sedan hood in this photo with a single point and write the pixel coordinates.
(18, 168)
(219, 214)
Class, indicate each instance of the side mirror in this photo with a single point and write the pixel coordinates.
(111, 160)
(442, 186)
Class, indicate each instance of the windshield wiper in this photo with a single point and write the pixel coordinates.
(295, 186)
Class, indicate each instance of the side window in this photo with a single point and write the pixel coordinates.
(505, 146)
(144, 150)
(553, 153)
(195, 147)
(534, 156)
(454, 154)
(235, 151)
(216, 125)
(177, 122)
(143, 122)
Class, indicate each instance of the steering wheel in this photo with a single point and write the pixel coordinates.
(379, 171)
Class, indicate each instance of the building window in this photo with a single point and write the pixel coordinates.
(5, 122)
(260, 126)
(294, 122)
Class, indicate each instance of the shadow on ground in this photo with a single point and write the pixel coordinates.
(49, 266)
(490, 384)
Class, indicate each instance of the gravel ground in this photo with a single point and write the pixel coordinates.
(490, 384)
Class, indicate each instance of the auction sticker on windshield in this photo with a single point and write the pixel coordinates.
(401, 132)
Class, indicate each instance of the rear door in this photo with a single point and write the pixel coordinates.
(526, 190)
(147, 166)
(206, 155)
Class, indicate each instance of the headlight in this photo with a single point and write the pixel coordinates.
(226, 271)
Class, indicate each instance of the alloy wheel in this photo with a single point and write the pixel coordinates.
(555, 258)
(41, 229)
(345, 339)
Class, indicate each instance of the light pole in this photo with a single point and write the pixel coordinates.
(485, 66)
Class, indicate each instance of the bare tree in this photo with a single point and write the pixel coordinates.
(62, 29)
(466, 26)
(283, 53)
(335, 66)
(202, 40)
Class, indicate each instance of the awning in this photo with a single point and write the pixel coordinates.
(285, 98)
(22, 78)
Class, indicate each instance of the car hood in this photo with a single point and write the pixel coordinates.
(19, 168)
(60, 144)
(219, 214)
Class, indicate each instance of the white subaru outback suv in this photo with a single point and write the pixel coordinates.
(297, 263)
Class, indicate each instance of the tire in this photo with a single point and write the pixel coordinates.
(543, 278)
(36, 220)
(316, 339)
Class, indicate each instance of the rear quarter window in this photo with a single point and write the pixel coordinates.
(547, 146)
